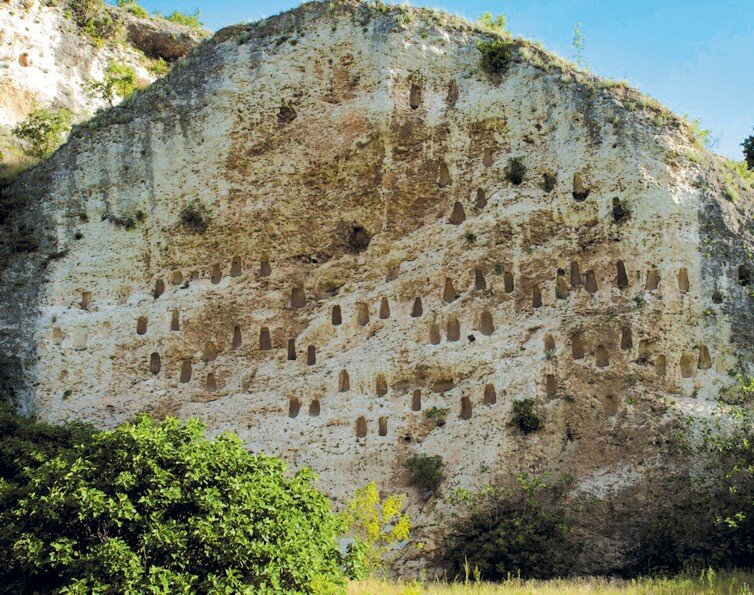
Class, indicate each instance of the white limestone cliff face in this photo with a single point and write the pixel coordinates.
(46, 60)
(354, 161)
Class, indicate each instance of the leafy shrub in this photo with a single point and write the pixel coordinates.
(495, 23)
(748, 146)
(515, 171)
(120, 81)
(159, 67)
(128, 221)
(701, 136)
(44, 131)
(707, 518)
(525, 416)
(132, 7)
(522, 531)
(156, 507)
(188, 20)
(27, 443)
(94, 20)
(548, 182)
(741, 392)
(376, 526)
(425, 473)
(437, 416)
(194, 216)
(497, 54)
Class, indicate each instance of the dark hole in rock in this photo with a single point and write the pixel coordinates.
(286, 115)
(358, 239)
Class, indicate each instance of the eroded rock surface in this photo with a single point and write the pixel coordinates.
(317, 229)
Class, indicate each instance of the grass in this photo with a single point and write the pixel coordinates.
(705, 582)
(13, 167)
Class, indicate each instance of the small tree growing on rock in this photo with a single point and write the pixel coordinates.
(44, 131)
(748, 146)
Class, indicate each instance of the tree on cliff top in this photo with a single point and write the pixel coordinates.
(156, 507)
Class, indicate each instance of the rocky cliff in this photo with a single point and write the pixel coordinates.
(335, 234)
(47, 59)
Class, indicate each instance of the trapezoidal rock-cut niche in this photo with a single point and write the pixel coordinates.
(265, 341)
(384, 309)
(298, 297)
(382, 426)
(417, 309)
(336, 318)
(744, 275)
(211, 383)
(508, 284)
(294, 406)
(416, 400)
(362, 314)
(265, 270)
(141, 325)
(536, 297)
(580, 193)
(626, 338)
(381, 385)
(488, 157)
(159, 288)
(155, 363)
(210, 352)
(653, 280)
(687, 366)
(561, 287)
(175, 321)
(311, 355)
(481, 199)
(577, 346)
(291, 350)
(361, 427)
(551, 385)
(237, 341)
(660, 365)
(186, 371)
(415, 96)
(457, 215)
(602, 357)
(490, 394)
(575, 275)
(486, 325)
(480, 283)
(235, 267)
(434, 334)
(453, 330)
(549, 344)
(344, 382)
(216, 274)
(621, 277)
(176, 278)
(314, 408)
(86, 300)
(443, 175)
(705, 360)
(683, 280)
(465, 408)
(452, 96)
(448, 292)
(591, 282)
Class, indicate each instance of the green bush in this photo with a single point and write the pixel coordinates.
(425, 473)
(120, 81)
(521, 530)
(706, 517)
(132, 7)
(157, 508)
(188, 20)
(515, 171)
(525, 416)
(495, 23)
(94, 20)
(497, 54)
(194, 217)
(748, 146)
(44, 131)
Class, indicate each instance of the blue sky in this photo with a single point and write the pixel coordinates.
(695, 56)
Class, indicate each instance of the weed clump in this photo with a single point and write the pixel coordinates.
(525, 416)
(425, 473)
(195, 218)
(497, 54)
